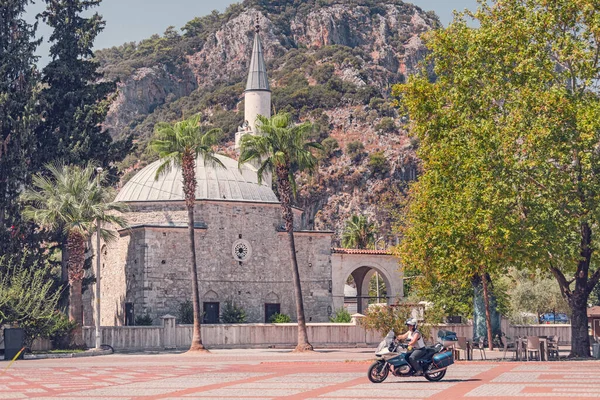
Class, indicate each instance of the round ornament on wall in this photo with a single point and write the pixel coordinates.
(242, 251)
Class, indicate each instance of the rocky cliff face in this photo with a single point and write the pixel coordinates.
(386, 46)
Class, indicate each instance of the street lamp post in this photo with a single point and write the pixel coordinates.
(98, 340)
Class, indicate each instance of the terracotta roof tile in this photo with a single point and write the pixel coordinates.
(593, 311)
(361, 251)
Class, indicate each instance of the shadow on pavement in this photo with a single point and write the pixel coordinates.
(424, 381)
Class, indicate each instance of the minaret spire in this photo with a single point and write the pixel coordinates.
(257, 76)
(258, 93)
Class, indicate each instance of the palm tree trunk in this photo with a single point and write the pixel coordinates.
(285, 192)
(189, 185)
(76, 250)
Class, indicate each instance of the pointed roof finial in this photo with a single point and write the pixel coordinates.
(257, 76)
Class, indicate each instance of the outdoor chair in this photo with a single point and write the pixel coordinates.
(462, 345)
(509, 346)
(533, 346)
(553, 347)
(481, 347)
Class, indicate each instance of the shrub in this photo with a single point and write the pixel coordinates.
(28, 296)
(323, 73)
(143, 320)
(232, 314)
(341, 316)
(355, 150)
(385, 318)
(330, 145)
(280, 319)
(378, 163)
(60, 333)
(185, 314)
(386, 125)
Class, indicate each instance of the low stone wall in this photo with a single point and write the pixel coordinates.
(172, 336)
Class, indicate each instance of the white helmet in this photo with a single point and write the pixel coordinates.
(411, 321)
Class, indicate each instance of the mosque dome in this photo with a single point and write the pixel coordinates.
(214, 182)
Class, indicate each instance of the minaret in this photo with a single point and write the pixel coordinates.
(257, 94)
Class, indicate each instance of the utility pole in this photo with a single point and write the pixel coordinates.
(98, 339)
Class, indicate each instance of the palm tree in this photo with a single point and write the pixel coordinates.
(179, 145)
(69, 198)
(283, 148)
(359, 233)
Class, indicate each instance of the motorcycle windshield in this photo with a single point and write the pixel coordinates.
(389, 338)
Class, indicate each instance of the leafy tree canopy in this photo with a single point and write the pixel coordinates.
(508, 136)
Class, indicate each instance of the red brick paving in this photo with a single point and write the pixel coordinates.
(281, 375)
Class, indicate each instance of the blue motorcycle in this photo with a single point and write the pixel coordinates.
(392, 356)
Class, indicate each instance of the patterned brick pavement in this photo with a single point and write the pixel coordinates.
(330, 375)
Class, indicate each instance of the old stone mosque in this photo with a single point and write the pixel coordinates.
(242, 250)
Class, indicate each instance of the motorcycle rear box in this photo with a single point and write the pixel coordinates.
(442, 360)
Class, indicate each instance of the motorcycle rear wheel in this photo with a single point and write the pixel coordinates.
(378, 371)
(436, 376)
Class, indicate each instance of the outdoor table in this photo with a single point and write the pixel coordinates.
(521, 352)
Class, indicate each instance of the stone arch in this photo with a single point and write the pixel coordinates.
(210, 295)
(272, 297)
(362, 266)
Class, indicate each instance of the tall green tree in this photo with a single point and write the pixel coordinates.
(72, 199)
(181, 145)
(509, 134)
(18, 80)
(74, 98)
(359, 233)
(282, 147)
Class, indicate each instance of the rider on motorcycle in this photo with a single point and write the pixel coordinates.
(415, 344)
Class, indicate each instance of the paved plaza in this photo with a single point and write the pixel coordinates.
(279, 374)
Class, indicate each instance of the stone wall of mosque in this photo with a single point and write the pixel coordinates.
(242, 257)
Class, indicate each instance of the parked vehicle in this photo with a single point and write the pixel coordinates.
(392, 356)
(558, 318)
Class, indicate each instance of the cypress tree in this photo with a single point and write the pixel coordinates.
(75, 99)
(18, 80)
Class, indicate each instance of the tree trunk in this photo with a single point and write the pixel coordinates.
(63, 303)
(76, 249)
(196, 332)
(189, 188)
(580, 340)
(488, 315)
(285, 193)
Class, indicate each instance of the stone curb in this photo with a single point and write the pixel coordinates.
(89, 353)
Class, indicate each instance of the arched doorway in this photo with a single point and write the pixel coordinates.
(364, 286)
(364, 269)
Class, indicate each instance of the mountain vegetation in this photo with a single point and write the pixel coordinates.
(332, 63)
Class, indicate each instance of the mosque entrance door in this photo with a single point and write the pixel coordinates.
(270, 310)
(211, 313)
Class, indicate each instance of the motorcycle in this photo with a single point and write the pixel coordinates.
(392, 356)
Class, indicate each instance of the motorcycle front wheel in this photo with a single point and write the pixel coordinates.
(378, 371)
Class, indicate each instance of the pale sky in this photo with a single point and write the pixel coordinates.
(134, 20)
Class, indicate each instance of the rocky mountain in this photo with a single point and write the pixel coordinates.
(331, 62)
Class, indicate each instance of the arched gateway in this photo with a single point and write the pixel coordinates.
(362, 265)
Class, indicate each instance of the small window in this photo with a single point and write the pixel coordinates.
(271, 309)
